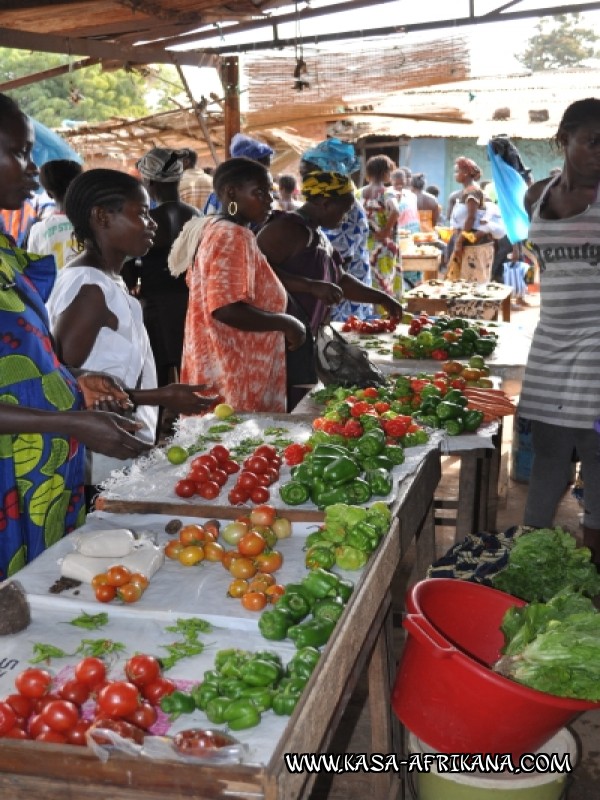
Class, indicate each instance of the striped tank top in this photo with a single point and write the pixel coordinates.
(562, 378)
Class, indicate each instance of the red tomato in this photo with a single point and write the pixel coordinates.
(263, 515)
(21, 705)
(220, 453)
(75, 692)
(210, 461)
(209, 490)
(237, 496)
(251, 544)
(230, 467)
(155, 691)
(256, 464)
(118, 575)
(36, 725)
(262, 480)
(91, 671)
(41, 703)
(268, 451)
(269, 562)
(60, 715)
(8, 718)
(199, 473)
(185, 488)
(51, 736)
(118, 699)
(105, 593)
(76, 735)
(33, 682)
(120, 726)
(17, 733)
(144, 716)
(260, 495)
(247, 480)
(219, 476)
(130, 592)
(272, 474)
(142, 669)
(294, 453)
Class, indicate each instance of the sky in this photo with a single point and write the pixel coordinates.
(492, 46)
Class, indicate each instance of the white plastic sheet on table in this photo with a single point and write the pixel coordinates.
(153, 477)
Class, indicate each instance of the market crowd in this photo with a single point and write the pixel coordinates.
(178, 289)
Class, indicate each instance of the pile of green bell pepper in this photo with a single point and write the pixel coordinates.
(240, 688)
(350, 534)
(350, 474)
(450, 413)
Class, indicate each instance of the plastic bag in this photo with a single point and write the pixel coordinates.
(343, 364)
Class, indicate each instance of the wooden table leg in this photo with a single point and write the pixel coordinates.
(506, 308)
(468, 493)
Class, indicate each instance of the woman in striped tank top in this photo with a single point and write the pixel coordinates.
(561, 388)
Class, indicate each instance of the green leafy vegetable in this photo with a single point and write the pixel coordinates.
(45, 652)
(99, 647)
(563, 660)
(190, 646)
(92, 622)
(544, 561)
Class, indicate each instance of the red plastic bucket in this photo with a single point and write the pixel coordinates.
(445, 692)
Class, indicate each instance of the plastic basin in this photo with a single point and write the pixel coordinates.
(445, 691)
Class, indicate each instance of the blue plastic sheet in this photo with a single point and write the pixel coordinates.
(49, 146)
(510, 189)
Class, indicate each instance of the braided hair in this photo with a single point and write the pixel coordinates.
(56, 175)
(108, 188)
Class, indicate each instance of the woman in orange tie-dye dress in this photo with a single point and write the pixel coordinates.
(236, 329)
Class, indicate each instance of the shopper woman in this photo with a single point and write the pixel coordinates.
(561, 388)
(97, 324)
(42, 426)
(236, 329)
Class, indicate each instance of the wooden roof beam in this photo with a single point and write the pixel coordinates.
(48, 43)
(36, 77)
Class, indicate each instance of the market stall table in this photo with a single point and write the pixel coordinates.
(361, 638)
(459, 297)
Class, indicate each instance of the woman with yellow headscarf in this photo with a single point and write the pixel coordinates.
(308, 265)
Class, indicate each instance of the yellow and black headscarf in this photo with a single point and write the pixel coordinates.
(327, 184)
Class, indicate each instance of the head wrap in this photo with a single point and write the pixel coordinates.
(333, 155)
(469, 166)
(327, 184)
(244, 146)
(161, 165)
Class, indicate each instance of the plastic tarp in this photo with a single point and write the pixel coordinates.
(49, 146)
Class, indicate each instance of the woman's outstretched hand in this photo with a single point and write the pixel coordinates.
(108, 434)
(183, 399)
(103, 392)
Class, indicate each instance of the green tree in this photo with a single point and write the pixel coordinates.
(91, 94)
(560, 41)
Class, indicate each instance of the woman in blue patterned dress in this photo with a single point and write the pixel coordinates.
(561, 387)
(41, 424)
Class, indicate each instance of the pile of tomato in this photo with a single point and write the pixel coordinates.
(119, 582)
(251, 563)
(355, 325)
(46, 712)
(209, 473)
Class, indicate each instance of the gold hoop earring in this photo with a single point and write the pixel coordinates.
(232, 208)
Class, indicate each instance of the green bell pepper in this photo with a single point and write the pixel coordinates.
(262, 697)
(318, 539)
(378, 462)
(454, 427)
(177, 703)
(203, 693)
(331, 451)
(369, 421)
(484, 347)
(284, 704)
(231, 687)
(211, 677)
(225, 658)
(311, 633)
(215, 709)
(472, 419)
(299, 588)
(320, 583)
(395, 453)
(303, 663)
(333, 534)
(274, 624)
(342, 470)
(350, 558)
(380, 481)
(363, 536)
(329, 497)
(241, 714)
(345, 589)
(317, 556)
(303, 473)
(358, 492)
(329, 608)
(269, 655)
(449, 410)
(259, 672)
(294, 493)
(297, 605)
(371, 443)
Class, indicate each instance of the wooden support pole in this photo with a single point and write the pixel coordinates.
(230, 78)
(199, 115)
(36, 77)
